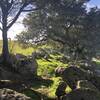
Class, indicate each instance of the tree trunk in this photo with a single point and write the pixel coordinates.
(5, 50)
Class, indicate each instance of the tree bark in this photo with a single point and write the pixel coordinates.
(5, 50)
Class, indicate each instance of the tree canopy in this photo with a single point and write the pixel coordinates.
(68, 22)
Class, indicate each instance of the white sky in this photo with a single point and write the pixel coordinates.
(15, 29)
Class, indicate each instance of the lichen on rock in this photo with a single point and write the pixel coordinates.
(8, 94)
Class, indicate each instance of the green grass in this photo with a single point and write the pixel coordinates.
(46, 69)
(53, 87)
(14, 48)
(46, 88)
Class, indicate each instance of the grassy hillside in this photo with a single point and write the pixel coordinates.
(46, 88)
(46, 70)
(14, 47)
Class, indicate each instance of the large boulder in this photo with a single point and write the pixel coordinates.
(28, 66)
(72, 75)
(7, 94)
(8, 74)
(20, 67)
(85, 84)
(82, 94)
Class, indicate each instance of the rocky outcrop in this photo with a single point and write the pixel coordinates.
(82, 94)
(60, 91)
(8, 74)
(28, 66)
(85, 84)
(72, 75)
(20, 67)
(7, 94)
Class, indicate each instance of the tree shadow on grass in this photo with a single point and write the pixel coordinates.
(29, 87)
(37, 95)
(41, 82)
(31, 83)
